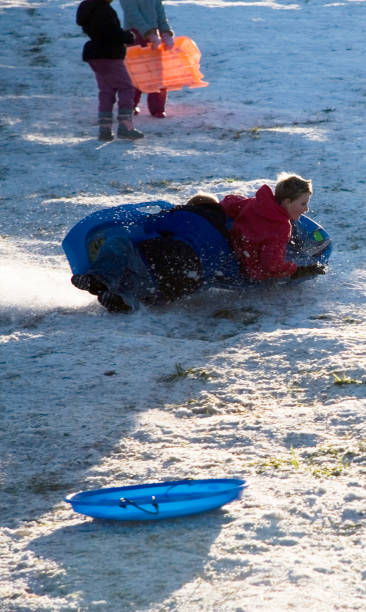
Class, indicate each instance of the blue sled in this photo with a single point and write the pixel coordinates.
(310, 243)
(157, 500)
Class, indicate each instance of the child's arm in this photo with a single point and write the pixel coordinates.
(273, 260)
(163, 23)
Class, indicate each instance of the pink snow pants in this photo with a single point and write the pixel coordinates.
(113, 82)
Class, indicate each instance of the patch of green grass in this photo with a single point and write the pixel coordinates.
(338, 459)
(342, 379)
(326, 451)
(350, 529)
(269, 464)
(327, 471)
(324, 462)
(180, 373)
(294, 460)
(254, 132)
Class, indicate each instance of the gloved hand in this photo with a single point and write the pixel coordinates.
(311, 270)
(128, 37)
(154, 38)
(168, 40)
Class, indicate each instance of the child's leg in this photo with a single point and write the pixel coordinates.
(104, 74)
(121, 81)
(136, 101)
(123, 84)
(113, 79)
(120, 267)
(176, 267)
(156, 103)
(107, 96)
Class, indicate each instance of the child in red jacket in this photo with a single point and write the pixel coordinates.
(262, 226)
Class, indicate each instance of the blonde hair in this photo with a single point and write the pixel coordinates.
(291, 186)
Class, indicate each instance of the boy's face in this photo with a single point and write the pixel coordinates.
(298, 207)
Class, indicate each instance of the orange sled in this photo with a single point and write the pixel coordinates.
(154, 69)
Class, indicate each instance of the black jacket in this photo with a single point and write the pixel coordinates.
(100, 22)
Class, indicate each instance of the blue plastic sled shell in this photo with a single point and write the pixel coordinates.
(157, 500)
(146, 220)
(126, 220)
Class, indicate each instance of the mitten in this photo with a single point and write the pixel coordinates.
(168, 40)
(128, 37)
(311, 270)
(154, 38)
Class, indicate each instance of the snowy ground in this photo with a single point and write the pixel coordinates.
(272, 385)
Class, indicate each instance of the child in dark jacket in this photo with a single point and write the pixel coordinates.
(104, 53)
(262, 226)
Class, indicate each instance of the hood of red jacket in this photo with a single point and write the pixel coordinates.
(263, 217)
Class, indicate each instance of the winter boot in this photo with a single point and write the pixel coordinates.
(88, 282)
(105, 127)
(113, 302)
(125, 126)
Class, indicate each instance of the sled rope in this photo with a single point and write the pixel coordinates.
(123, 502)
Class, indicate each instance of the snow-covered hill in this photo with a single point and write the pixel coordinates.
(267, 384)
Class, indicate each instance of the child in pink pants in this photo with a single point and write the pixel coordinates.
(104, 53)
